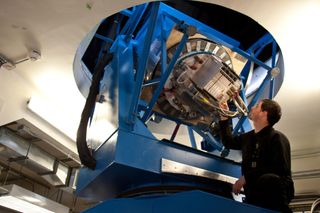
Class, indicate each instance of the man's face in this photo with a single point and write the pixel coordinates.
(255, 112)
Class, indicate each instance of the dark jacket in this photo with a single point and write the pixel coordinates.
(265, 152)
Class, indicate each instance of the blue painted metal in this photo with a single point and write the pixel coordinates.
(132, 149)
(135, 13)
(254, 100)
(210, 33)
(126, 12)
(215, 143)
(165, 76)
(104, 38)
(163, 47)
(207, 136)
(138, 14)
(255, 50)
(262, 42)
(139, 156)
(245, 72)
(192, 138)
(243, 124)
(123, 84)
(187, 202)
(142, 63)
(273, 64)
(130, 159)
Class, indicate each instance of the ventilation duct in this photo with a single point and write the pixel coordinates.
(59, 176)
(18, 150)
(22, 200)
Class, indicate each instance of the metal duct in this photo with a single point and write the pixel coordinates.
(11, 146)
(73, 178)
(22, 200)
(59, 176)
(18, 150)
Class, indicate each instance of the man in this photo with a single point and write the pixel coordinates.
(266, 160)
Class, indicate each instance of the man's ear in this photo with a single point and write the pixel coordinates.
(265, 113)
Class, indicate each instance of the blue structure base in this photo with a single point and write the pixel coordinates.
(131, 161)
(190, 201)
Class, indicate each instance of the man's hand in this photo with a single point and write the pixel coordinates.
(224, 106)
(236, 188)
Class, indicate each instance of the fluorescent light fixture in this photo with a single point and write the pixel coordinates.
(22, 200)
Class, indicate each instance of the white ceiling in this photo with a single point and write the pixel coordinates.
(55, 28)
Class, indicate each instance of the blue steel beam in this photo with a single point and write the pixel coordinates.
(104, 38)
(126, 12)
(210, 33)
(274, 54)
(268, 79)
(143, 62)
(254, 51)
(179, 17)
(192, 138)
(245, 73)
(163, 46)
(253, 101)
(186, 202)
(262, 42)
(217, 145)
(219, 37)
(135, 20)
(273, 64)
(165, 77)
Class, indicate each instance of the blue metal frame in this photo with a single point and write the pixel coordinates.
(142, 63)
(131, 143)
(134, 18)
(104, 38)
(243, 124)
(134, 21)
(207, 136)
(163, 47)
(274, 46)
(251, 54)
(192, 138)
(254, 100)
(165, 76)
(168, 13)
(210, 33)
(186, 202)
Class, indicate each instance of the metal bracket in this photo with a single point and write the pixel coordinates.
(173, 167)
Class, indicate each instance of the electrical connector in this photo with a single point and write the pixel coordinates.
(6, 64)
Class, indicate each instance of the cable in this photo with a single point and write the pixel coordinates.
(315, 205)
(242, 108)
(85, 153)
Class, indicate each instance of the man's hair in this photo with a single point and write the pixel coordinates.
(273, 110)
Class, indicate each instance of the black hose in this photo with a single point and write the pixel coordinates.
(85, 154)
